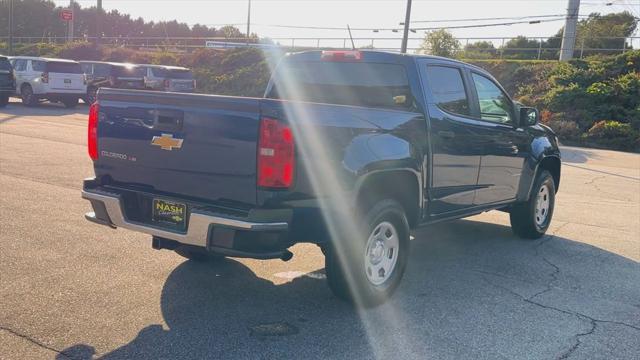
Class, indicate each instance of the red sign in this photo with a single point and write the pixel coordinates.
(66, 14)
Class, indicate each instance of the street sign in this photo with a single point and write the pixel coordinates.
(66, 14)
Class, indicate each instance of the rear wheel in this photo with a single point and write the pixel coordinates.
(70, 103)
(197, 254)
(531, 220)
(4, 100)
(28, 98)
(366, 268)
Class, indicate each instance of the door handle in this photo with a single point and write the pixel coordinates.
(446, 134)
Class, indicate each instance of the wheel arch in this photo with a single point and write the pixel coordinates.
(402, 185)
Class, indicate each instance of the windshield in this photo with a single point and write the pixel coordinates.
(64, 67)
(344, 83)
(127, 71)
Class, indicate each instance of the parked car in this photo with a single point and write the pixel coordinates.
(7, 81)
(109, 74)
(349, 150)
(56, 80)
(169, 78)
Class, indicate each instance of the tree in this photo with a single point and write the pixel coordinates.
(521, 48)
(440, 43)
(479, 50)
(592, 29)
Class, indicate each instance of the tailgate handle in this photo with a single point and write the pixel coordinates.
(168, 120)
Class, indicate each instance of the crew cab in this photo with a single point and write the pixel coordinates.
(7, 81)
(110, 74)
(56, 80)
(349, 150)
(168, 78)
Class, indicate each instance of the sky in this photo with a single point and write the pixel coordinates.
(368, 14)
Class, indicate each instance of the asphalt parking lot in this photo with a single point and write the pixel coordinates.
(70, 289)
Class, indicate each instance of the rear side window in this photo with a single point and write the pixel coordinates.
(64, 67)
(159, 72)
(86, 68)
(344, 83)
(101, 70)
(38, 65)
(124, 71)
(180, 74)
(20, 64)
(448, 89)
(5, 65)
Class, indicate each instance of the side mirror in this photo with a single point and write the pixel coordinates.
(529, 116)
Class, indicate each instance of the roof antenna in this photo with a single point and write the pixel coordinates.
(353, 45)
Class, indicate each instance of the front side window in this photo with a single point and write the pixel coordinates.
(495, 105)
(448, 89)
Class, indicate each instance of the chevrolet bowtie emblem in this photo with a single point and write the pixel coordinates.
(167, 142)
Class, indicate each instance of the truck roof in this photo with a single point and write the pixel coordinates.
(379, 55)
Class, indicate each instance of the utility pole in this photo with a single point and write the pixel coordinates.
(99, 23)
(248, 21)
(569, 34)
(10, 27)
(405, 36)
(70, 22)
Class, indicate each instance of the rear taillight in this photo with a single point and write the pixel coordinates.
(167, 84)
(340, 55)
(92, 140)
(275, 154)
(44, 77)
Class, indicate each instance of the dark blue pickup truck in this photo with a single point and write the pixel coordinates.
(349, 150)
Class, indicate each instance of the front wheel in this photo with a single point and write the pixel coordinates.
(531, 220)
(4, 100)
(366, 267)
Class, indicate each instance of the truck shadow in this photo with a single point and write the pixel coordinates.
(465, 290)
(15, 110)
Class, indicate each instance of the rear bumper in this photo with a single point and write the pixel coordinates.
(215, 232)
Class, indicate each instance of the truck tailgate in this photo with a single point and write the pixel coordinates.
(184, 145)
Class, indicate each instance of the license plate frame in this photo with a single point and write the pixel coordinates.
(169, 213)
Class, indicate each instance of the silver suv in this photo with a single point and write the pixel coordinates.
(169, 78)
(56, 80)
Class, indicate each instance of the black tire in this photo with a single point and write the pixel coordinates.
(27, 96)
(70, 103)
(4, 100)
(345, 260)
(529, 221)
(197, 254)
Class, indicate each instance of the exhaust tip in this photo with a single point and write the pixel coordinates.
(286, 255)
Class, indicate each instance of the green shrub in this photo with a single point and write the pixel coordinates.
(613, 134)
